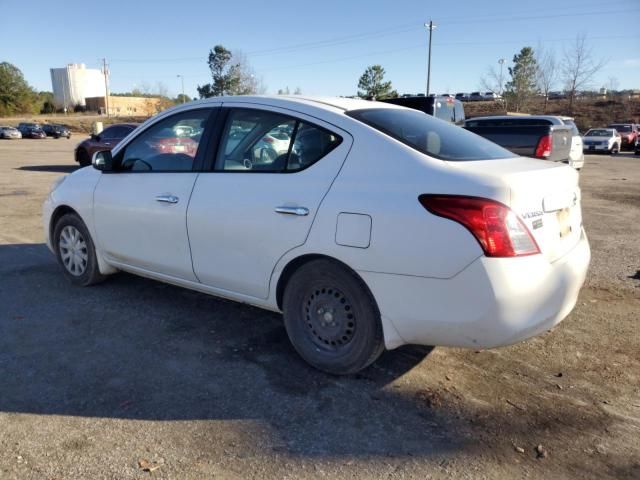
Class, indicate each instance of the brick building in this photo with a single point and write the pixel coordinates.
(130, 106)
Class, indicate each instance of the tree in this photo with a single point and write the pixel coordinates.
(297, 91)
(16, 96)
(579, 67)
(45, 102)
(231, 75)
(546, 72)
(523, 79)
(284, 92)
(372, 84)
(182, 98)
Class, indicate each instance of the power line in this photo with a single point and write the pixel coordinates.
(377, 33)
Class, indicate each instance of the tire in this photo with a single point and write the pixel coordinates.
(331, 318)
(75, 251)
(83, 158)
(615, 150)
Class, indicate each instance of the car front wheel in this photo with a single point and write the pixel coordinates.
(75, 251)
(331, 318)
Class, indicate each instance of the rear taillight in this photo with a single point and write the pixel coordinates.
(497, 229)
(545, 145)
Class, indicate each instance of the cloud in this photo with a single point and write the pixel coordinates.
(631, 62)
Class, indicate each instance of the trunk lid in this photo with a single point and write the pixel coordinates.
(546, 196)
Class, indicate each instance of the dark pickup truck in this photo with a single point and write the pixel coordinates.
(525, 136)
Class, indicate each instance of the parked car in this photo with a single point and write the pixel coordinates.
(33, 132)
(462, 96)
(10, 133)
(496, 251)
(475, 97)
(491, 96)
(557, 95)
(24, 127)
(56, 131)
(637, 148)
(628, 133)
(602, 140)
(576, 154)
(105, 140)
(447, 109)
(543, 137)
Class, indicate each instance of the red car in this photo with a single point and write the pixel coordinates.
(628, 132)
(170, 141)
(105, 140)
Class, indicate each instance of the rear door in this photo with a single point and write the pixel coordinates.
(269, 175)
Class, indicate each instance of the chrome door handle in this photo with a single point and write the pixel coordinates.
(167, 198)
(301, 211)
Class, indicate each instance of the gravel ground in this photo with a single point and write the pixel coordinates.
(104, 381)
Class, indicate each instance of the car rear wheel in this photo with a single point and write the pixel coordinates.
(75, 251)
(331, 318)
(83, 158)
(615, 149)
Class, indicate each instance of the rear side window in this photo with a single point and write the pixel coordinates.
(430, 136)
(263, 141)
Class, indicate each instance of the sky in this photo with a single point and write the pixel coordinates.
(320, 47)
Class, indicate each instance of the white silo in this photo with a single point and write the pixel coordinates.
(75, 82)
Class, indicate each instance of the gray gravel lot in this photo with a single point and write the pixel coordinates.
(94, 381)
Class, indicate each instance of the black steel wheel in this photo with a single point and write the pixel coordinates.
(331, 318)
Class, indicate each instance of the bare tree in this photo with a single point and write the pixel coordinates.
(546, 73)
(492, 81)
(249, 82)
(579, 67)
(161, 89)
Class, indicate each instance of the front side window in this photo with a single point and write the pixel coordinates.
(170, 145)
(427, 135)
(263, 141)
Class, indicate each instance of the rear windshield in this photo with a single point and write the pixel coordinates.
(599, 133)
(429, 135)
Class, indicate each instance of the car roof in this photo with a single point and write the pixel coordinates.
(332, 104)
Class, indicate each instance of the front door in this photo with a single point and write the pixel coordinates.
(140, 208)
(272, 170)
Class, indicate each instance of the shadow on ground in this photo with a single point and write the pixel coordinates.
(49, 168)
(132, 348)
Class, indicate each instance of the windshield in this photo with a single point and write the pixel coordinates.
(599, 133)
(431, 136)
(621, 128)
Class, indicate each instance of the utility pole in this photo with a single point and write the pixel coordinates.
(105, 71)
(501, 62)
(182, 78)
(431, 27)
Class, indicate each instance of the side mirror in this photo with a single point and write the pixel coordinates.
(102, 161)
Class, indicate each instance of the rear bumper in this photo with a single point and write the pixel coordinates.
(493, 302)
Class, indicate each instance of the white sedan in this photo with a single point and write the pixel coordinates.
(378, 226)
(602, 140)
